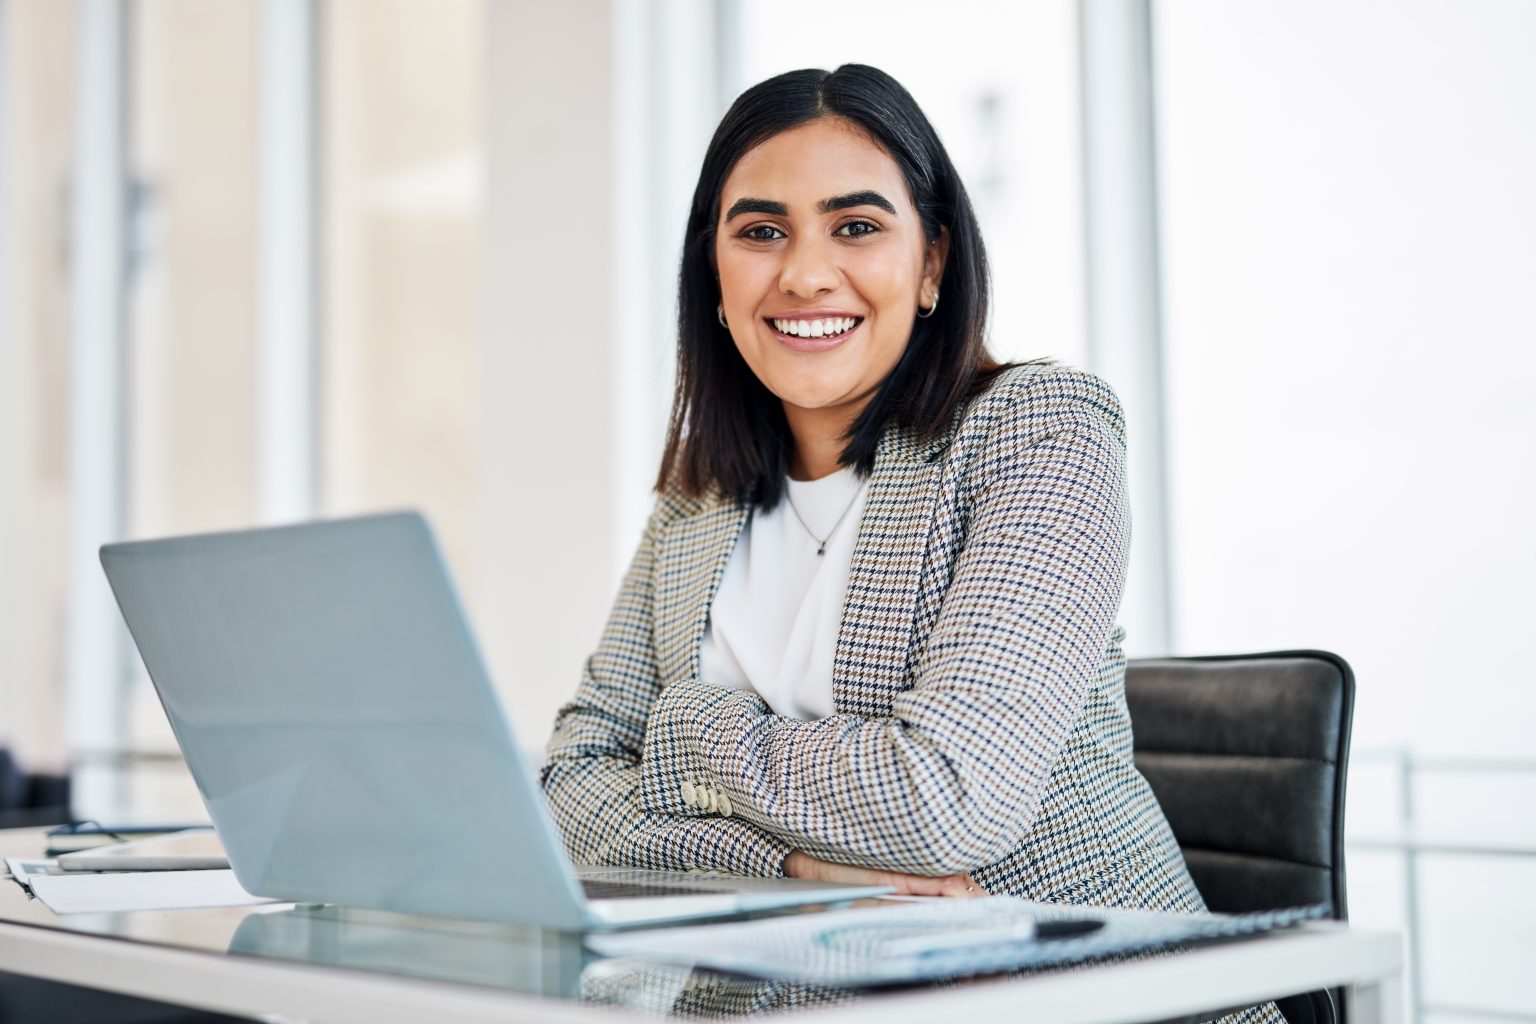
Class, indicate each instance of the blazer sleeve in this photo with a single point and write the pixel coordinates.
(591, 775)
(952, 780)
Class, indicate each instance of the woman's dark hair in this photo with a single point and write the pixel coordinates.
(728, 434)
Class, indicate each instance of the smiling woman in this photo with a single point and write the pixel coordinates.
(869, 632)
(822, 197)
(822, 289)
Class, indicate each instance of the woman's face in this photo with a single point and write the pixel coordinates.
(822, 265)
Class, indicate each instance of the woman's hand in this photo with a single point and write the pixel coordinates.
(803, 865)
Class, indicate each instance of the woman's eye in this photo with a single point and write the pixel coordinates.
(856, 229)
(763, 233)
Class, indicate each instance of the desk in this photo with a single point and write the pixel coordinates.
(332, 965)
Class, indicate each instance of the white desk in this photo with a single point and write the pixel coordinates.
(355, 964)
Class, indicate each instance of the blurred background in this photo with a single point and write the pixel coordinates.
(263, 261)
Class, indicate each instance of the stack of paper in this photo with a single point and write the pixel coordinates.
(80, 891)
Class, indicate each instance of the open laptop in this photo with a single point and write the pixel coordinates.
(331, 704)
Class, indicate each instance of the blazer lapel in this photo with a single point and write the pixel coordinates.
(694, 551)
(873, 644)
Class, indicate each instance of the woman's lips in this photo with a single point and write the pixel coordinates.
(822, 344)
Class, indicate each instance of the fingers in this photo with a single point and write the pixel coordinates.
(803, 865)
(960, 885)
(970, 888)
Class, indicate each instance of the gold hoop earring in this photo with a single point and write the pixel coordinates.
(720, 315)
(924, 316)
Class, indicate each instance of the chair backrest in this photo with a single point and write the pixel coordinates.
(28, 799)
(1247, 755)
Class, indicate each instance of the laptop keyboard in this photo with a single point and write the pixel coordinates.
(600, 890)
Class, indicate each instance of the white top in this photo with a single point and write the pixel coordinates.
(774, 622)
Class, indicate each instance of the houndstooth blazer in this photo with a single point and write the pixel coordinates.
(980, 721)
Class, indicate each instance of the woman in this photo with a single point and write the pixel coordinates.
(869, 632)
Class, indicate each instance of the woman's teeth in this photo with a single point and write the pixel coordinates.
(816, 328)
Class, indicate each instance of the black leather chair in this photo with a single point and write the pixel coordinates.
(28, 799)
(1247, 755)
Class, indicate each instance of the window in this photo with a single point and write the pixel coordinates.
(36, 151)
(398, 190)
(1347, 226)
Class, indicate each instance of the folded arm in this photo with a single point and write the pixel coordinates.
(592, 774)
(953, 778)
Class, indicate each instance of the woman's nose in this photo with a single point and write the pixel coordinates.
(810, 269)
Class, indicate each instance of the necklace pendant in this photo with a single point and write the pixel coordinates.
(821, 542)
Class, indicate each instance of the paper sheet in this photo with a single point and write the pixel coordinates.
(23, 869)
(140, 890)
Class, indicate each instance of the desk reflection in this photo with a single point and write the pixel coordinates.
(525, 959)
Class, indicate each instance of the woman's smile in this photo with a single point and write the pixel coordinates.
(813, 330)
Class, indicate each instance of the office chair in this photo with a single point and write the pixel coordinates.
(1247, 755)
(28, 799)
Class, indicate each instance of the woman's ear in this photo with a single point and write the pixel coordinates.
(933, 265)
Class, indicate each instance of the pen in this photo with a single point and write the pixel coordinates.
(1023, 931)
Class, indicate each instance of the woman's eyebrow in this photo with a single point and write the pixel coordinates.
(774, 208)
(768, 206)
(864, 198)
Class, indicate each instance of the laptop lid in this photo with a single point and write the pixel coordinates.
(334, 711)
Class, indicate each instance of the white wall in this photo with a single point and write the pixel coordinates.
(589, 176)
(547, 362)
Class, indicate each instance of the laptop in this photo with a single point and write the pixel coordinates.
(328, 696)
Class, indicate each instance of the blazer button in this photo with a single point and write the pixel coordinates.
(688, 794)
(725, 806)
(709, 798)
